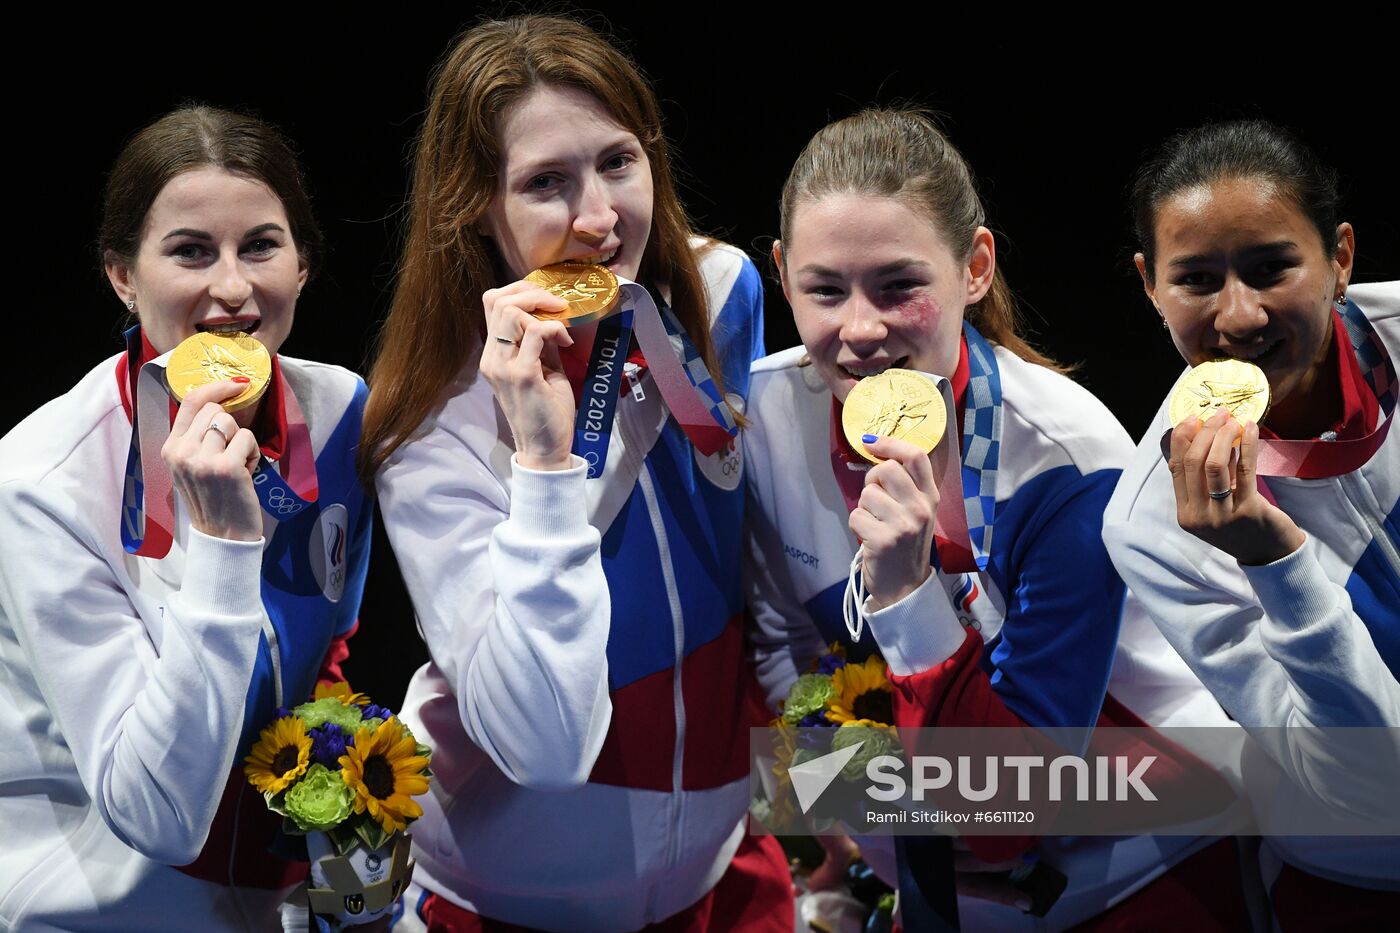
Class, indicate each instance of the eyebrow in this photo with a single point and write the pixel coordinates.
(201, 235)
(898, 265)
(1262, 249)
(531, 169)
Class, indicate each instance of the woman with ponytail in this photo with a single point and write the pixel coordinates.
(1019, 620)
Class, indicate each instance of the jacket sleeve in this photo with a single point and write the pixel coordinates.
(1049, 668)
(151, 714)
(510, 596)
(1280, 646)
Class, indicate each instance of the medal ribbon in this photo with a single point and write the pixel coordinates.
(1315, 459)
(148, 497)
(598, 401)
(1318, 459)
(685, 382)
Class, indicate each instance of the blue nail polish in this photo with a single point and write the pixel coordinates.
(868, 438)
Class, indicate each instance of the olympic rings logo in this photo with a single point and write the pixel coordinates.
(281, 503)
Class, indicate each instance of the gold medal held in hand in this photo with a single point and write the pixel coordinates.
(896, 403)
(208, 357)
(590, 290)
(1236, 385)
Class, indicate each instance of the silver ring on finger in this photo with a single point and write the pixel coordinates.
(213, 426)
(507, 341)
(1220, 495)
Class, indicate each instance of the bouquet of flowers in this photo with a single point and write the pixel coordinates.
(836, 704)
(343, 772)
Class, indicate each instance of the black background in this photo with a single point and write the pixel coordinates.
(1053, 114)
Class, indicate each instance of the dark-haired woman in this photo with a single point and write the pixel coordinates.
(144, 641)
(588, 696)
(1268, 553)
(1011, 621)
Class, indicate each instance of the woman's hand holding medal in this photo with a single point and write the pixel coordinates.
(895, 520)
(895, 420)
(211, 462)
(1217, 495)
(521, 362)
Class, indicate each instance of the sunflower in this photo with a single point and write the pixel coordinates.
(280, 756)
(382, 769)
(341, 691)
(861, 691)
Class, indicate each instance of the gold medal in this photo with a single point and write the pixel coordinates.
(208, 357)
(896, 403)
(590, 290)
(1237, 385)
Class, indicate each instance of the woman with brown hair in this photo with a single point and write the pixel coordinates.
(984, 583)
(578, 587)
(170, 577)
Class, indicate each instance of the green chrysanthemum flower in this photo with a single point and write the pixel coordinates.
(808, 695)
(879, 740)
(329, 709)
(319, 801)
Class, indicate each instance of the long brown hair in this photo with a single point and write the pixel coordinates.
(435, 322)
(903, 154)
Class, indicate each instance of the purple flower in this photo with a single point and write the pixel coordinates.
(328, 744)
(814, 732)
(374, 711)
(829, 664)
(281, 713)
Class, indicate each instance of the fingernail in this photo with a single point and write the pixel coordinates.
(868, 438)
(240, 379)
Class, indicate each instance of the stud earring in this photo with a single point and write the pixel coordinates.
(131, 306)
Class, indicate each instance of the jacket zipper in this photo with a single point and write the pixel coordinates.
(274, 657)
(1352, 487)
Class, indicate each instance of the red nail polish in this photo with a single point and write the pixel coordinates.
(241, 379)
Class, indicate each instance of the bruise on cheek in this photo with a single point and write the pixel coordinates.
(922, 312)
